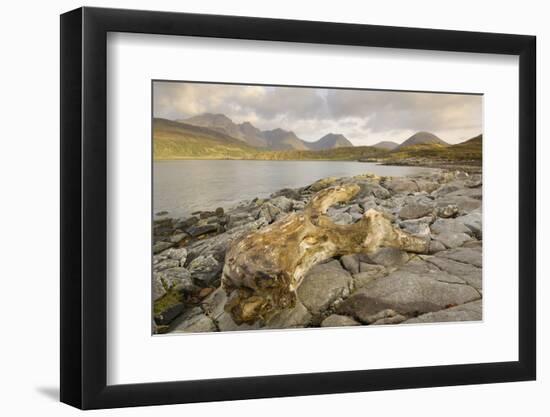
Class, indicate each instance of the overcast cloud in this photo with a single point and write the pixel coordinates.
(364, 117)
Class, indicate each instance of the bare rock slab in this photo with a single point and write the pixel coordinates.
(336, 320)
(468, 273)
(226, 324)
(196, 324)
(290, 318)
(465, 312)
(323, 285)
(472, 256)
(408, 294)
(387, 257)
(401, 185)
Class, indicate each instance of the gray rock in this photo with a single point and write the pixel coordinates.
(169, 314)
(473, 221)
(385, 315)
(369, 188)
(408, 294)
(289, 318)
(342, 218)
(468, 273)
(426, 185)
(269, 212)
(450, 232)
(178, 237)
(217, 245)
(165, 264)
(388, 257)
(448, 211)
(466, 312)
(197, 324)
(173, 254)
(449, 225)
(418, 227)
(368, 203)
(436, 246)
(350, 263)
(158, 287)
(160, 246)
(205, 214)
(184, 224)
(414, 210)
(473, 244)
(465, 204)
(448, 188)
(453, 240)
(474, 182)
(205, 269)
(298, 205)
(283, 203)
(196, 230)
(445, 177)
(288, 193)
(336, 320)
(419, 265)
(401, 185)
(475, 193)
(472, 256)
(323, 285)
(212, 220)
(213, 305)
(355, 209)
(390, 320)
(368, 273)
(226, 324)
(178, 279)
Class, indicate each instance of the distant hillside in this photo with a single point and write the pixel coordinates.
(470, 150)
(330, 141)
(347, 153)
(245, 132)
(422, 138)
(176, 140)
(386, 145)
(173, 140)
(279, 139)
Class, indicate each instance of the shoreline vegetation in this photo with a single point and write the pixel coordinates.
(388, 286)
(174, 140)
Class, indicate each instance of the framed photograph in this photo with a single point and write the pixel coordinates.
(257, 207)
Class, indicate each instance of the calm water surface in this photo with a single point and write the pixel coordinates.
(182, 187)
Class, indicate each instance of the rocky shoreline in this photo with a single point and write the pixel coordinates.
(385, 287)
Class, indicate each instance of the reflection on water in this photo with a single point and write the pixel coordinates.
(182, 187)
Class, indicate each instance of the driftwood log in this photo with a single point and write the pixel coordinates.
(263, 269)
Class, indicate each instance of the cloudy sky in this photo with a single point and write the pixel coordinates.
(363, 116)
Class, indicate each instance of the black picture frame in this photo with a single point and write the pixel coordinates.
(84, 207)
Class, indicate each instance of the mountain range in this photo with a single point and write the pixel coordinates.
(215, 136)
(275, 139)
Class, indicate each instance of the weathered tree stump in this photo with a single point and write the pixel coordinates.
(263, 269)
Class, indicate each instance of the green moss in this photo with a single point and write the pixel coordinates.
(171, 298)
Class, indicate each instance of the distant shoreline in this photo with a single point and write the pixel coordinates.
(474, 166)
